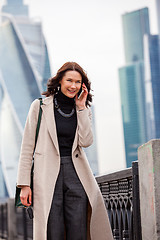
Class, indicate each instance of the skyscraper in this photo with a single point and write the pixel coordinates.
(24, 70)
(15, 7)
(152, 85)
(133, 108)
(132, 83)
(142, 97)
(135, 25)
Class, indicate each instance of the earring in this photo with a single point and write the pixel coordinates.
(58, 88)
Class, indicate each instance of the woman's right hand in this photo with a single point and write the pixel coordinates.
(26, 196)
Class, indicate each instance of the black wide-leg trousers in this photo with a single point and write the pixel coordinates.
(68, 213)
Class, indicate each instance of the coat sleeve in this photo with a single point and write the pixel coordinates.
(27, 146)
(85, 135)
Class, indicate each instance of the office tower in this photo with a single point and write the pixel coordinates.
(152, 85)
(132, 82)
(135, 25)
(15, 7)
(24, 70)
(133, 108)
(31, 34)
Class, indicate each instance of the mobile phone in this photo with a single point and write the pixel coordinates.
(80, 92)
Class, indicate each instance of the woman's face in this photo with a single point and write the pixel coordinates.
(71, 83)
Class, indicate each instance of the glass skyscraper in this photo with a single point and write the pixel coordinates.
(140, 83)
(24, 70)
(15, 7)
(133, 108)
(152, 85)
(135, 25)
(132, 82)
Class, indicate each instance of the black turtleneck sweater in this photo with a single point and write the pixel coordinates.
(66, 126)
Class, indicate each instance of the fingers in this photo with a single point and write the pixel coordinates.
(26, 197)
(24, 201)
(84, 88)
(30, 198)
(81, 100)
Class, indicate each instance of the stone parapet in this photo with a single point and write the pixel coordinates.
(149, 184)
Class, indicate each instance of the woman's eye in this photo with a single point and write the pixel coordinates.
(69, 80)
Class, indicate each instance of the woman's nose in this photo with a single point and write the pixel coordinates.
(73, 85)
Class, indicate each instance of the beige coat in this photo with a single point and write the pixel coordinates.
(47, 165)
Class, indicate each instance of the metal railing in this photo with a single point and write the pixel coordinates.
(120, 191)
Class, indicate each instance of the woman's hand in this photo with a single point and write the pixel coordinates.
(81, 101)
(26, 196)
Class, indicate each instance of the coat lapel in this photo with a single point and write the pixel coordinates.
(48, 112)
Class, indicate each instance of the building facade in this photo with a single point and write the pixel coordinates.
(135, 26)
(152, 85)
(139, 83)
(132, 82)
(133, 108)
(24, 71)
(16, 8)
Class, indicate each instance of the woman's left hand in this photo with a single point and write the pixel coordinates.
(81, 101)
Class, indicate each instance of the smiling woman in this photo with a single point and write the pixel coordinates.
(67, 200)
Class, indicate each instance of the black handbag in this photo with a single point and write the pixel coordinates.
(18, 190)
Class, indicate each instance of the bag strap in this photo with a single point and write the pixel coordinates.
(37, 131)
(38, 123)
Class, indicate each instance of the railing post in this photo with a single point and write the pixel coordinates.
(12, 227)
(136, 203)
(149, 183)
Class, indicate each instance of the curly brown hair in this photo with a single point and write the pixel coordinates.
(53, 82)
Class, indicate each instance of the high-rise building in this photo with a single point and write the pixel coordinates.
(152, 85)
(24, 70)
(15, 7)
(135, 25)
(132, 83)
(133, 108)
(140, 92)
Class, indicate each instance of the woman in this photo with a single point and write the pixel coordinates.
(67, 201)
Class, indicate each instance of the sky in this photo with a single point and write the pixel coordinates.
(90, 33)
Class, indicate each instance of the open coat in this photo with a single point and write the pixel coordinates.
(47, 166)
